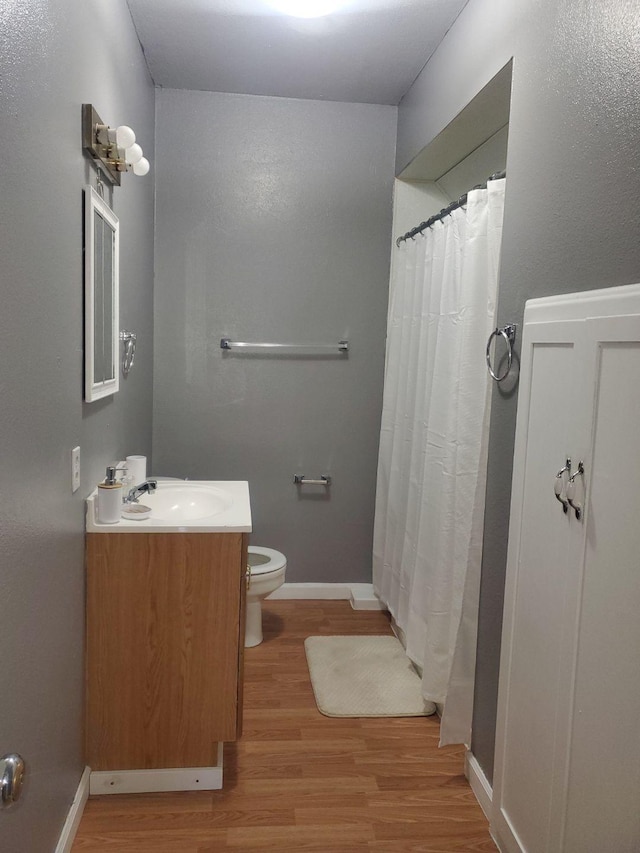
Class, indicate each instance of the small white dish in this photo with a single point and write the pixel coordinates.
(137, 512)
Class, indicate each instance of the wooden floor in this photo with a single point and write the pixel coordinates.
(299, 781)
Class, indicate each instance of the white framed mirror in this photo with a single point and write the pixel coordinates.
(101, 298)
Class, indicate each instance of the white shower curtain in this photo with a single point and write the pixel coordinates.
(433, 447)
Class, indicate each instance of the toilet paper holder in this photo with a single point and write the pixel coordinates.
(303, 480)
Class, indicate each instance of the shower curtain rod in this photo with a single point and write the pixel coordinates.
(447, 210)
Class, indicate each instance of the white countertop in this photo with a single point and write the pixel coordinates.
(234, 518)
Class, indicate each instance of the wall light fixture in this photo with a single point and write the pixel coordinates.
(115, 149)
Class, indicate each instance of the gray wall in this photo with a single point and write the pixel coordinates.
(53, 57)
(572, 216)
(274, 224)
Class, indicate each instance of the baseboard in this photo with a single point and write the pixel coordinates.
(364, 598)
(324, 591)
(154, 781)
(479, 782)
(361, 595)
(71, 824)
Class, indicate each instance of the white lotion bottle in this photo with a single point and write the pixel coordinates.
(109, 498)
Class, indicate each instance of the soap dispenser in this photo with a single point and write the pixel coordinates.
(109, 498)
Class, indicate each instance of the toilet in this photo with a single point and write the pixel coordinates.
(266, 574)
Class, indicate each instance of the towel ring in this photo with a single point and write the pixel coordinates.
(509, 335)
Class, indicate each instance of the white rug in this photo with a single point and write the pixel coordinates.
(364, 677)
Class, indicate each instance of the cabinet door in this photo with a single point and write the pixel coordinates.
(603, 775)
(567, 774)
(532, 675)
(164, 625)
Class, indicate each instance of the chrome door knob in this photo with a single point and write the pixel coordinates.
(11, 776)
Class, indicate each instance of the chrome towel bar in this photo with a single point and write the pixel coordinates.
(226, 343)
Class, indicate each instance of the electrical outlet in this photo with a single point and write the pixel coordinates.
(75, 469)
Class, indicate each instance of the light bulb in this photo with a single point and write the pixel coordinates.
(133, 154)
(125, 137)
(306, 8)
(141, 167)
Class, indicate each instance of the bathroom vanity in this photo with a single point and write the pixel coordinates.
(165, 641)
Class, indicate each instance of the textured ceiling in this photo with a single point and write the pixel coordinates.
(367, 51)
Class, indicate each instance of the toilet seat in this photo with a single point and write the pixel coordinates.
(262, 561)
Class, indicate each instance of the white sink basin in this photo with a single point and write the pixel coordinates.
(191, 506)
(179, 502)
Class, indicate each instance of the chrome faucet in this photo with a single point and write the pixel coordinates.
(148, 486)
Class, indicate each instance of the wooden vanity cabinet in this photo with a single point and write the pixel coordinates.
(165, 647)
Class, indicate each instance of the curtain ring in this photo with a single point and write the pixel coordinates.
(509, 335)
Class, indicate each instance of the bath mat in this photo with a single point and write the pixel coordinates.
(364, 677)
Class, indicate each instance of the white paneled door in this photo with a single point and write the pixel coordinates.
(567, 772)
